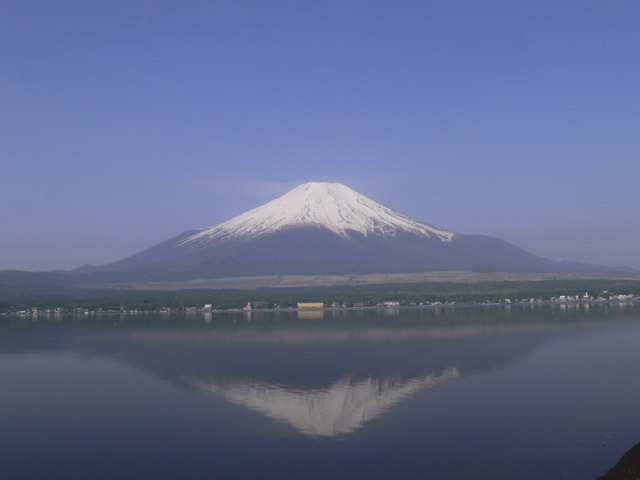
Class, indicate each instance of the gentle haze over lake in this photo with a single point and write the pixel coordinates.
(126, 123)
(485, 393)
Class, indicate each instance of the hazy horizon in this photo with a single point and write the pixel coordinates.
(125, 124)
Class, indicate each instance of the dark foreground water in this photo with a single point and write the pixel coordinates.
(496, 393)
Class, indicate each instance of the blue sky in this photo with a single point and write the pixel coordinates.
(123, 124)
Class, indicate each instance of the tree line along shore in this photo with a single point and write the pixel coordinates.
(68, 299)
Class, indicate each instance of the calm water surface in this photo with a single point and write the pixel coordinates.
(496, 393)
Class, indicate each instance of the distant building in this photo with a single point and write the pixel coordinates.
(310, 305)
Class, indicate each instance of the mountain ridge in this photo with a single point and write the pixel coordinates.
(322, 228)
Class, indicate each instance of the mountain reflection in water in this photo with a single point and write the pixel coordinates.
(323, 379)
(459, 393)
(339, 408)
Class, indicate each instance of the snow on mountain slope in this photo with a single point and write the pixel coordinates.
(333, 206)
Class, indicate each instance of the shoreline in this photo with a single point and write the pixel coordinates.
(49, 313)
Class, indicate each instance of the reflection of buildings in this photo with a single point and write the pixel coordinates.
(339, 408)
(310, 314)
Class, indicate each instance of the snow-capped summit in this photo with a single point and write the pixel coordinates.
(332, 206)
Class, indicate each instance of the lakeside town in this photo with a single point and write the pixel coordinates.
(264, 306)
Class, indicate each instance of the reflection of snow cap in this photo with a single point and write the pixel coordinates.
(341, 408)
(333, 206)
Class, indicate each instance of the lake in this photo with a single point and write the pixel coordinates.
(498, 393)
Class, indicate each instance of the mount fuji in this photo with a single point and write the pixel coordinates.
(323, 228)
